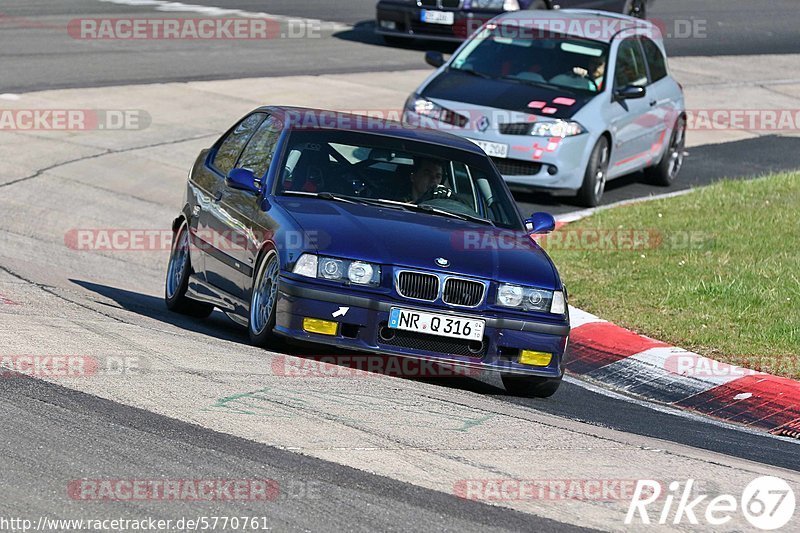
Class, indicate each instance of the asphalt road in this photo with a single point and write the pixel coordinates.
(38, 53)
(78, 436)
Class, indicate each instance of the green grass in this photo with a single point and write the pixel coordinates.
(733, 294)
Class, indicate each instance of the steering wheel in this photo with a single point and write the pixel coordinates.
(440, 192)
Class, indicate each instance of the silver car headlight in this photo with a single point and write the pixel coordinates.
(334, 269)
(505, 5)
(531, 299)
(428, 109)
(558, 128)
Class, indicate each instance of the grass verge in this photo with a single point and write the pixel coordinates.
(716, 271)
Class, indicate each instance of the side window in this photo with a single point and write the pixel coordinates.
(232, 146)
(258, 153)
(630, 68)
(655, 60)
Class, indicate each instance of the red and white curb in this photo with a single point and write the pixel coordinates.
(626, 361)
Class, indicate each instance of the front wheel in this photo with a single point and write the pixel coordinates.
(594, 178)
(665, 172)
(530, 386)
(178, 272)
(264, 299)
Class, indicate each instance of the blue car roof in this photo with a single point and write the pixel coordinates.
(363, 124)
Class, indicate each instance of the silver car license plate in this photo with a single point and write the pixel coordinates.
(492, 149)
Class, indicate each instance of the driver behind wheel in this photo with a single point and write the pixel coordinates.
(595, 72)
(426, 176)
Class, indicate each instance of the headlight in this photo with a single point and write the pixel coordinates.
(330, 268)
(505, 5)
(530, 299)
(559, 128)
(509, 296)
(425, 108)
(361, 273)
(306, 266)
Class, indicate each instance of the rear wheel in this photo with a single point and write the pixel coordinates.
(530, 386)
(178, 272)
(264, 299)
(665, 172)
(594, 179)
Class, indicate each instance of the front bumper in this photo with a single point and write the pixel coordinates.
(362, 326)
(533, 163)
(405, 20)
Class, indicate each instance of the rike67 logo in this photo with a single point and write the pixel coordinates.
(767, 503)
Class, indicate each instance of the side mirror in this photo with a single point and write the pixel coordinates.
(243, 179)
(434, 59)
(540, 224)
(631, 92)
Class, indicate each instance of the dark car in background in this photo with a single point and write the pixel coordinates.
(455, 20)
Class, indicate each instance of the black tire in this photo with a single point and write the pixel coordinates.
(594, 178)
(530, 386)
(666, 170)
(260, 327)
(540, 4)
(179, 269)
(636, 8)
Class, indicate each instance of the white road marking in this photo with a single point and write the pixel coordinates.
(211, 11)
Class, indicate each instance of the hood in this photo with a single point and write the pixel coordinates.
(405, 239)
(502, 94)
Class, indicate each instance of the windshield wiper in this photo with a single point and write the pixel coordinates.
(472, 72)
(426, 209)
(509, 77)
(323, 195)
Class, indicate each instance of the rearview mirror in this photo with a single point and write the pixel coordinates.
(434, 59)
(631, 92)
(242, 179)
(540, 224)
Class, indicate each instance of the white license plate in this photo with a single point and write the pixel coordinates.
(435, 324)
(438, 17)
(492, 149)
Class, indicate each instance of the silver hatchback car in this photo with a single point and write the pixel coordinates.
(562, 101)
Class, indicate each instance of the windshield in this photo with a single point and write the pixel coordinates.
(558, 60)
(396, 173)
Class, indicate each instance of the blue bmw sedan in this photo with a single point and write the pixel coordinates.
(370, 236)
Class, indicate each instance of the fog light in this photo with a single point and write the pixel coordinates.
(389, 24)
(529, 357)
(552, 170)
(323, 327)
